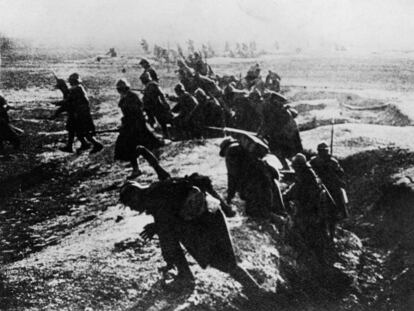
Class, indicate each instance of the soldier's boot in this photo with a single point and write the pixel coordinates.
(68, 147)
(184, 279)
(97, 146)
(14, 140)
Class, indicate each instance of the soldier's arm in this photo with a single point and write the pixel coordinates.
(291, 193)
(63, 106)
(172, 98)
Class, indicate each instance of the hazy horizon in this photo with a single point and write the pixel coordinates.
(312, 24)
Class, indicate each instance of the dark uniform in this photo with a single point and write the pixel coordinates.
(254, 178)
(79, 119)
(332, 175)
(6, 132)
(208, 112)
(148, 70)
(280, 127)
(133, 131)
(313, 203)
(76, 104)
(156, 106)
(205, 236)
(245, 115)
(185, 105)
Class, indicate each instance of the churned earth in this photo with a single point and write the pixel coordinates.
(67, 244)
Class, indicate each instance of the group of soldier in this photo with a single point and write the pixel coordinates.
(188, 210)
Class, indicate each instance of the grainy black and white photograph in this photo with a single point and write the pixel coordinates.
(207, 155)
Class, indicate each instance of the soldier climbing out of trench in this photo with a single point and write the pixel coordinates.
(186, 215)
(312, 203)
(332, 175)
(254, 173)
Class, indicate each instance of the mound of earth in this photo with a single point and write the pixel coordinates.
(88, 254)
(323, 107)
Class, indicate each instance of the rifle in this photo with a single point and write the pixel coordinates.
(231, 130)
(16, 129)
(107, 131)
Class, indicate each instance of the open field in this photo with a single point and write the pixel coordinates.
(67, 244)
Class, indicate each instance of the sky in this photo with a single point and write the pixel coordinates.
(369, 24)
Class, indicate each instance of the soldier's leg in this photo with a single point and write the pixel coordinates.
(231, 187)
(250, 286)
(69, 143)
(97, 146)
(135, 168)
(278, 204)
(152, 160)
(164, 129)
(150, 117)
(173, 253)
(13, 138)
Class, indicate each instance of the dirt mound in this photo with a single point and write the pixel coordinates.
(318, 108)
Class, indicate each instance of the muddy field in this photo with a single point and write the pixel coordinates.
(67, 244)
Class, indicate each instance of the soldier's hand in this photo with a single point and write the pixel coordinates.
(149, 231)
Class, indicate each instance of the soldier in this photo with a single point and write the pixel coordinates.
(272, 81)
(279, 127)
(185, 215)
(111, 52)
(79, 119)
(243, 105)
(253, 74)
(155, 104)
(148, 69)
(185, 105)
(133, 131)
(6, 131)
(312, 203)
(254, 174)
(208, 112)
(332, 175)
